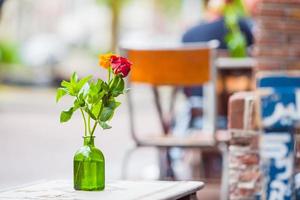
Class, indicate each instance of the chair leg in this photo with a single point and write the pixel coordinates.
(170, 171)
(165, 165)
(224, 182)
(202, 166)
(125, 162)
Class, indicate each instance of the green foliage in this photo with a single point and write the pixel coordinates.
(117, 86)
(95, 99)
(60, 93)
(111, 3)
(9, 53)
(104, 125)
(169, 7)
(66, 115)
(235, 39)
(236, 42)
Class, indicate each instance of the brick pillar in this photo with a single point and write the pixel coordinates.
(277, 52)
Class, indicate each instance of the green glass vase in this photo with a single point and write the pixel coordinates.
(89, 167)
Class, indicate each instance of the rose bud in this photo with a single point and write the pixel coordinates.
(120, 66)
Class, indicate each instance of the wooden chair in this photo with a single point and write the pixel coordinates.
(176, 66)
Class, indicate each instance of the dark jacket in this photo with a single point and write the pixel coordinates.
(216, 31)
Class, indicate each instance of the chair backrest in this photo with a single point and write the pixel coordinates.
(181, 65)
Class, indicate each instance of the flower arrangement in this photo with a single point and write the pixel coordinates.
(96, 99)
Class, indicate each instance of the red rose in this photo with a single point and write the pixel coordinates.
(120, 66)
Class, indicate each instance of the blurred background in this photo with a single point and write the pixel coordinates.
(47, 40)
(43, 42)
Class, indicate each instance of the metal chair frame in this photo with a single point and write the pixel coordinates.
(164, 146)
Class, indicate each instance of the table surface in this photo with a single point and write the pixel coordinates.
(125, 190)
(235, 63)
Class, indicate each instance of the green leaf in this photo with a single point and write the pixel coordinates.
(90, 113)
(82, 82)
(117, 86)
(78, 103)
(66, 84)
(96, 108)
(106, 114)
(120, 88)
(60, 93)
(104, 125)
(99, 82)
(114, 82)
(74, 86)
(71, 88)
(104, 86)
(113, 104)
(108, 111)
(95, 93)
(74, 78)
(66, 115)
(85, 89)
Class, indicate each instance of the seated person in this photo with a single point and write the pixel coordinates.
(191, 118)
(213, 29)
(1, 6)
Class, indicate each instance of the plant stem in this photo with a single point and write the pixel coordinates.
(109, 75)
(84, 120)
(89, 124)
(94, 128)
(95, 125)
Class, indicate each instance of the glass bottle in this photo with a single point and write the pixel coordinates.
(89, 167)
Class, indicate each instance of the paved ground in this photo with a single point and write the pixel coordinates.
(34, 145)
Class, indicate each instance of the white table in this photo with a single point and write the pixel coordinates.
(115, 190)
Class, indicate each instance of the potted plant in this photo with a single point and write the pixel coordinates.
(96, 101)
(234, 38)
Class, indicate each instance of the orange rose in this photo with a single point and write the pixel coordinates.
(104, 60)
